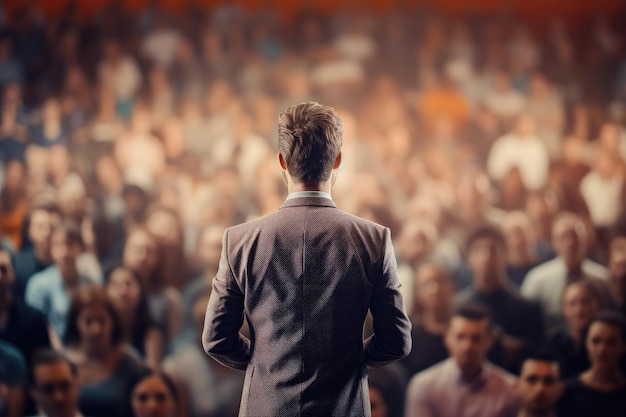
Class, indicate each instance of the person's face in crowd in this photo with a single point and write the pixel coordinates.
(141, 124)
(56, 389)
(468, 342)
(64, 250)
(538, 385)
(123, 289)
(40, 229)
(108, 174)
(605, 345)
(95, 327)
(7, 274)
(377, 402)
(14, 175)
(433, 288)
(525, 125)
(486, 259)
(141, 253)
(210, 246)
(617, 266)
(164, 226)
(51, 111)
(515, 236)
(568, 240)
(152, 398)
(579, 305)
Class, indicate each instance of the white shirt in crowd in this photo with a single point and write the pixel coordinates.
(603, 198)
(528, 154)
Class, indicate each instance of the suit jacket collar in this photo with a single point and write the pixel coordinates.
(309, 201)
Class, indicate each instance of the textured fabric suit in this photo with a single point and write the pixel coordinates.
(305, 278)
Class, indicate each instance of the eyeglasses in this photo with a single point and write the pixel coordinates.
(49, 389)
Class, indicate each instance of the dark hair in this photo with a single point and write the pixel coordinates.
(167, 380)
(474, 311)
(609, 317)
(541, 354)
(309, 139)
(46, 357)
(143, 318)
(592, 287)
(485, 232)
(91, 296)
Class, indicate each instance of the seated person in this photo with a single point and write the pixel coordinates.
(539, 385)
(12, 380)
(519, 319)
(95, 343)
(51, 290)
(155, 395)
(545, 283)
(126, 291)
(432, 307)
(54, 385)
(43, 217)
(601, 389)
(22, 327)
(617, 273)
(465, 384)
(206, 387)
(581, 301)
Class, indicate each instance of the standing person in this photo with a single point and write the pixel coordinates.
(305, 277)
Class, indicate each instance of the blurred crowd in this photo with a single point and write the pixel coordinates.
(495, 153)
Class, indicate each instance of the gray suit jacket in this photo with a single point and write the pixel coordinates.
(304, 278)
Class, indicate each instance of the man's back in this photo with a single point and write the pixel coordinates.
(306, 277)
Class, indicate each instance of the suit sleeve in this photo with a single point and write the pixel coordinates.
(392, 329)
(224, 316)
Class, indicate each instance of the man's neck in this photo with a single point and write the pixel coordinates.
(294, 187)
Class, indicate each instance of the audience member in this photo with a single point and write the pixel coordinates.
(600, 390)
(539, 385)
(617, 273)
(206, 387)
(520, 151)
(581, 301)
(13, 374)
(125, 289)
(464, 384)
(432, 308)
(42, 219)
(142, 255)
(519, 319)
(155, 395)
(521, 250)
(51, 290)
(545, 283)
(94, 341)
(54, 385)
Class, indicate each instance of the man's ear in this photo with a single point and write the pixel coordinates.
(337, 161)
(281, 160)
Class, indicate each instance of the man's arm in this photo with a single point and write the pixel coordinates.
(418, 399)
(392, 329)
(224, 316)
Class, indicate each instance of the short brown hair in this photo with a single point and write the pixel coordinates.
(309, 139)
(91, 295)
